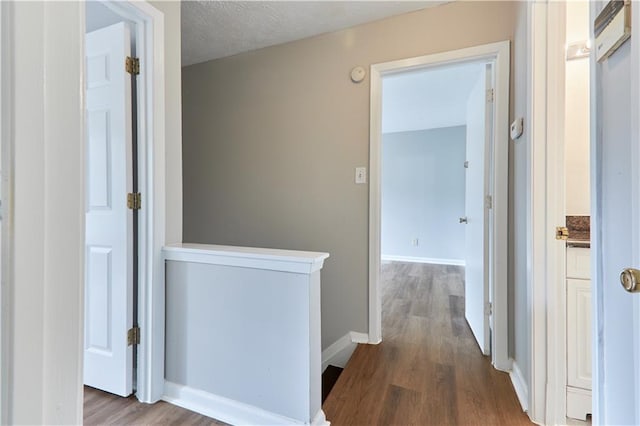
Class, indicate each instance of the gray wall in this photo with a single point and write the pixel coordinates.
(271, 139)
(423, 193)
(519, 312)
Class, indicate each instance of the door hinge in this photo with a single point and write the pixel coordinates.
(488, 202)
(134, 200)
(562, 233)
(489, 95)
(132, 65)
(466, 164)
(488, 309)
(133, 336)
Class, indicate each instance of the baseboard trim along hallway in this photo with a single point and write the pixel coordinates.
(228, 410)
(340, 351)
(520, 386)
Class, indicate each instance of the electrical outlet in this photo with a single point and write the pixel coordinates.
(415, 242)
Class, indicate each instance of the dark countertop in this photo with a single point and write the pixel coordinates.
(579, 231)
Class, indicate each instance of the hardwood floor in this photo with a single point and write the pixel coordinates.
(101, 408)
(428, 370)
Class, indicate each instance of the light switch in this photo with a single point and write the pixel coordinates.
(361, 175)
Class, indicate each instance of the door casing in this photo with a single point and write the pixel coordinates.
(498, 52)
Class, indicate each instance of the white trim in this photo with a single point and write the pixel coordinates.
(431, 260)
(498, 52)
(555, 271)
(520, 386)
(597, 293)
(340, 351)
(151, 173)
(360, 337)
(228, 410)
(536, 209)
(298, 262)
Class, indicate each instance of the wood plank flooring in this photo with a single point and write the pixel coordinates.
(101, 408)
(428, 370)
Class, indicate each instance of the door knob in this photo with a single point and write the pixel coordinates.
(630, 280)
(463, 220)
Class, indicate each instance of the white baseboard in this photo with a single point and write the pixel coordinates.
(520, 386)
(389, 257)
(228, 410)
(340, 351)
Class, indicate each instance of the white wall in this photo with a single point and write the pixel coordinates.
(423, 194)
(46, 319)
(577, 114)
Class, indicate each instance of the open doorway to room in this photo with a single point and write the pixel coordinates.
(124, 200)
(569, 159)
(111, 226)
(436, 166)
(438, 193)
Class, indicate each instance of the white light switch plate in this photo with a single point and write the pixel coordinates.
(361, 175)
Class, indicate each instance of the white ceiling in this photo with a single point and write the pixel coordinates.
(428, 98)
(214, 29)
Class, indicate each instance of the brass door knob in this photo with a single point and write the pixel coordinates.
(630, 278)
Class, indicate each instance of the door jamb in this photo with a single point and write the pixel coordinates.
(151, 172)
(548, 172)
(501, 54)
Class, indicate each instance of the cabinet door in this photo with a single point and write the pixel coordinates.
(578, 262)
(579, 333)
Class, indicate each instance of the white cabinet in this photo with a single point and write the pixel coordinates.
(578, 333)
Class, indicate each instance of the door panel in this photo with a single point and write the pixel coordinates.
(579, 321)
(616, 233)
(479, 117)
(108, 360)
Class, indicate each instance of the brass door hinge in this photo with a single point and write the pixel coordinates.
(133, 336)
(562, 233)
(488, 202)
(132, 65)
(134, 200)
(489, 95)
(488, 308)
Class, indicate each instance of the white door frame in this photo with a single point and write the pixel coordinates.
(498, 52)
(149, 36)
(546, 278)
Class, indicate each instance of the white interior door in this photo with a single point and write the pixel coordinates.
(108, 360)
(479, 128)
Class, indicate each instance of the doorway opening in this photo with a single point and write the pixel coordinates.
(566, 166)
(485, 179)
(124, 200)
(436, 124)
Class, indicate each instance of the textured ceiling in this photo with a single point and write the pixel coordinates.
(428, 99)
(215, 29)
